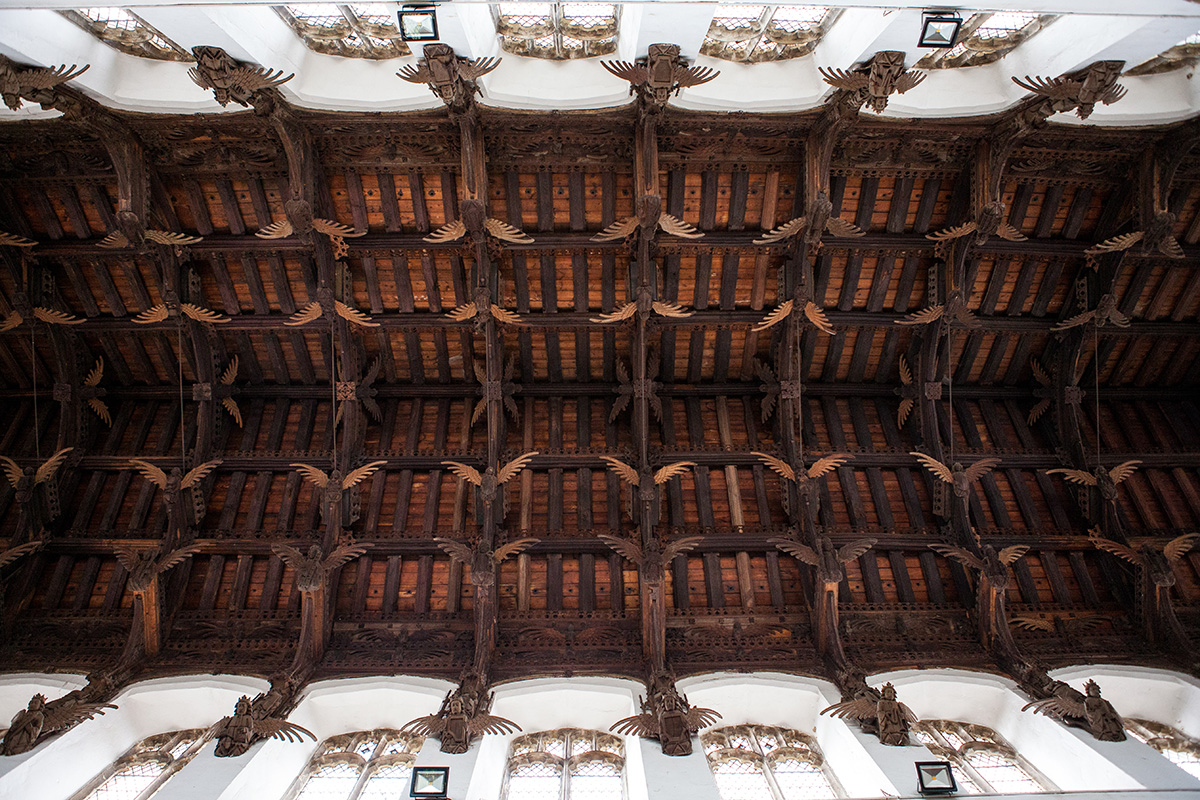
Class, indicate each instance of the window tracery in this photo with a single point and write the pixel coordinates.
(366, 765)
(758, 762)
(129, 33)
(557, 30)
(1184, 54)
(566, 764)
(145, 767)
(985, 38)
(367, 30)
(984, 762)
(1179, 748)
(766, 33)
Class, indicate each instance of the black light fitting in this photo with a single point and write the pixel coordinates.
(935, 777)
(418, 23)
(432, 782)
(939, 29)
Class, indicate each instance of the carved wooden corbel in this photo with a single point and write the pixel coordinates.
(464, 715)
(666, 716)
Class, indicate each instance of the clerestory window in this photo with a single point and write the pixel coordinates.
(758, 762)
(1184, 54)
(566, 764)
(983, 761)
(366, 765)
(557, 30)
(144, 769)
(985, 38)
(1181, 749)
(129, 33)
(368, 30)
(766, 33)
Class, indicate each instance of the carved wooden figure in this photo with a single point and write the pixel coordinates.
(645, 503)
(229, 79)
(40, 509)
(23, 311)
(662, 73)
(875, 81)
(35, 84)
(991, 594)
(449, 76)
(1091, 711)
(809, 227)
(651, 559)
(1156, 574)
(806, 479)
(249, 722)
(463, 716)
(42, 719)
(144, 567)
(1080, 91)
(891, 717)
(955, 309)
(173, 485)
(667, 716)
(312, 571)
(328, 307)
(1106, 312)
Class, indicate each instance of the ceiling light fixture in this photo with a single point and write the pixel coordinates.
(939, 29)
(418, 23)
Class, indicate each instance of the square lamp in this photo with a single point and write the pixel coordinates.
(935, 777)
(939, 30)
(429, 782)
(418, 23)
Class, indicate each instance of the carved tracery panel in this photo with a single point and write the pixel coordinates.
(366, 765)
(568, 763)
(557, 30)
(766, 33)
(129, 33)
(757, 762)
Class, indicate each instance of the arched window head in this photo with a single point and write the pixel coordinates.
(1181, 749)
(129, 33)
(1184, 54)
(367, 765)
(354, 31)
(557, 30)
(983, 761)
(566, 764)
(143, 770)
(985, 38)
(766, 33)
(757, 762)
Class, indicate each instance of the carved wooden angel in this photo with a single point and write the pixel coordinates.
(132, 232)
(41, 719)
(1104, 480)
(35, 84)
(490, 481)
(235, 733)
(230, 80)
(1081, 92)
(649, 218)
(646, 496)
(26, 481)
(828, 561)
(660, 74)
(958, 477)
(885, 75)
(473, 220)
(1157, 576)
(449, 76)
(1043, 394)
(810, 226)
(1091, 712)
(668, 717)
(805, 479)
(481, 560)
(311, 568)
(175, 483)
(91, 393)
(955, 308)
(1106, 312)
(991, 595)
(23, 311)
(328, 307)
(988, 223)
(480, 307)
(891, 717)
(643, 305)
(12, 240)
(463, 717)
(145, 565)
(654, 557)
(171, 308)
(908, 394)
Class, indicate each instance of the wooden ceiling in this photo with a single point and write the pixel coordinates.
(716, 391)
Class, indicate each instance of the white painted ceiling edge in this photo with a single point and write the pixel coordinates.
(253, 32)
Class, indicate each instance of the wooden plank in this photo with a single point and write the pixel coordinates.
(241, 583)
(900, 575)
(775, 581)
(933, 578)
(871, 579)
(212, 582)
(87, 582)
(554, 582)
(1058, 586)
(587, 583)
(391, 585)
(745, 579)
(712, 580)
(1025, 583)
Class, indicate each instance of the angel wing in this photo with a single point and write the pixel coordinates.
(331, 228)
(505, 232)
(1009, 233)
(665, 474)
(1012, 553)
(68, 714)
(1116, 243)
(353, 315)
(673, 310)
(851, 551)
(343, 553)
(255, 78)
(415, 73)
(828, 464)
(939, 469)
(798, 551)
(150, 472)
(128, 555)
(775, 317)
(463, 313)
(643, 725)
(430, 725)
(1174, 549)
(680, 546)
(1119, 550)
(281, 729)
(626, 472)
(514, 548)
(514, 467)
(1054, 88)
(981, 467)
(152, 315)
(859, 708)
(906, 407)
(506, 316)
(624, 312)
(201, 314)
(1033, 623)
(176, 556)
(455, 549)
(840, 227)
(199, 473)
(14, 473)
(1060, 705)
(171, 238)
(693, 76)
(1074, 476)
(924, 316)
(481, 724)
(817, 316)
(956, 232)
(290, 556)
(477, 68)
(958, 554)
(1123, 470)
(626, 71)
(54, 317)
(46, 471)
(93, 377)
(698, 718)
(449, 232)
(12, 240)
(361, 474)
(13, 553)
(628, 549)
(467, 473)
(840, 79)
(677, 227)
(315, 476)
(276, 230)
(230, 405)
(785, 231)
(777, 465)
(621, 229)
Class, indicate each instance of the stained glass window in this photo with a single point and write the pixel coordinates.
(1184, 54)
(557, 30)
(1181, 749)
(126, 31)
(143, 770)
(766, 33)
(757, 762)
(566, 764)
(367, 765)
(367, 30)
(985, 38)
(983, 761)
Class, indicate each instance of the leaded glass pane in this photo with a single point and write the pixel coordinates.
(738, 779)
(1190, 762)
(389, 782)
(1002, 773)
(330, 782)
(595, 780)
(535, 781)
(128, 782)
(800, 780)
(365, 748)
